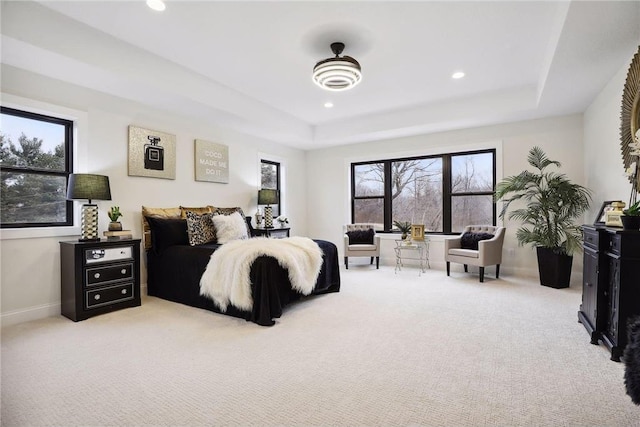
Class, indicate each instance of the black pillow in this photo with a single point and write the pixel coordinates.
(361, 237)
(470, 240)
(167, 232)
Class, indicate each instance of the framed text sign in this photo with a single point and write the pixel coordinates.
(211, 161)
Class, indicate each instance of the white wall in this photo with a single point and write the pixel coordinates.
(30, 275)
(604, 168)
(328, 169)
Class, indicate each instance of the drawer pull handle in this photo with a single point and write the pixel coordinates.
(123, 252)
(124, 292)
(97, 275)
(123, 271)
(96, 297)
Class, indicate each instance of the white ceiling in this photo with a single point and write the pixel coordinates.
(247, 65)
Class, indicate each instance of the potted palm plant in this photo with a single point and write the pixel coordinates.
(404, 227)
(553, 203)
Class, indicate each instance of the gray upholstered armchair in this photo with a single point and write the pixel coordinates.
(488, 252)
(361, 248)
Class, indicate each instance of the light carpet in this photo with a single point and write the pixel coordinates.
(388, 350)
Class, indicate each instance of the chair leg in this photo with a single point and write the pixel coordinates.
(371, 263)
(448, 267)
(377, 262)
(466, 268)
(481, 274)
(346, 262)
(497, 271)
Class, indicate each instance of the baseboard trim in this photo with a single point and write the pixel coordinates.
(39, 312)
(28, 314)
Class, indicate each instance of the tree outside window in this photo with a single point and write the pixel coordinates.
(35, 162)
(444, 192)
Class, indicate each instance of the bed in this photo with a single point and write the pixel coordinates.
(174, 267)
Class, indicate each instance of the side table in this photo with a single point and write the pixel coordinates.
(417, 250)
(274, 233)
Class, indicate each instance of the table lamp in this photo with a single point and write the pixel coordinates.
(90, 187)
(267, 197)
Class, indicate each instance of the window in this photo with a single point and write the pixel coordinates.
(444, 192)
(270, 179)
(35, 163)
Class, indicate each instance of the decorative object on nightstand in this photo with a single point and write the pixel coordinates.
(90, 187)
(612, 217)
(99, 277)
(259, 218)
(118, 235)
(268, 197)
(283, 220)
(114, 213)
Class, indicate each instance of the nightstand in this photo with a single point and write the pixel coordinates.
(99, 277)
(274, 233)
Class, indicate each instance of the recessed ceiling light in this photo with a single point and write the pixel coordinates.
(328, 104)
(156, 5)
(457, 75)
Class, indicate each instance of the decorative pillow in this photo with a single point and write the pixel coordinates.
(470, 240)
(156, 213)
(167, 232)
(229, 211)
(200, 228)
(198, 210)
(230, 227)
(361, 237)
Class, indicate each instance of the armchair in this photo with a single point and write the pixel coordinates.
(488, 252)
(354, 247)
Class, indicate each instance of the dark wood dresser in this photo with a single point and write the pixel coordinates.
(99, 277)
(610, 285)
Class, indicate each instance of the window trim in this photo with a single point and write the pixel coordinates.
(278, 166)
(69, 126)
(447, 193)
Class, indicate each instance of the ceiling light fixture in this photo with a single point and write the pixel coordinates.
(337, 73)
(328, 105)
(156, 5)
(457, 75)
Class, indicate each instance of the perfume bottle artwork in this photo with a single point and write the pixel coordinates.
(153, 154)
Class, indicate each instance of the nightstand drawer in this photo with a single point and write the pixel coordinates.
(97, 255)
(102, 275)
(109, 295)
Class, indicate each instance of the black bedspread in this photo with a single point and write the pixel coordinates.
(174, 275)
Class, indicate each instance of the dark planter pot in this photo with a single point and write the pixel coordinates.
(115, 226)
(630, 222)
(554, 268)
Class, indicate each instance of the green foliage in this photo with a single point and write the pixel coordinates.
(633, 210)
(28, 196)
(403, 226)
(552, 205)
(114, 213)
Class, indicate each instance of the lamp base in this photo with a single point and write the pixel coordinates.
(268, 217)
(89, 223)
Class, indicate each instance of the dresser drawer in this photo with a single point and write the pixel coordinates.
(109, 295)
(99, 255)
(591, 238)
(112, 273)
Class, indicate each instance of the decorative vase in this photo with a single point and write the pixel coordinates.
(115, 226)
(404, 236)
(630, 222)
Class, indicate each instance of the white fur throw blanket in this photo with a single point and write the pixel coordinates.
(226, 278)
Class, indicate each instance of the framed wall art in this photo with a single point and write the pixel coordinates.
(211, 162)
(151, 153)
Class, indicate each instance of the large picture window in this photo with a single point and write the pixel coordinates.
(444, 192)
(35, 163)
(270, 180)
